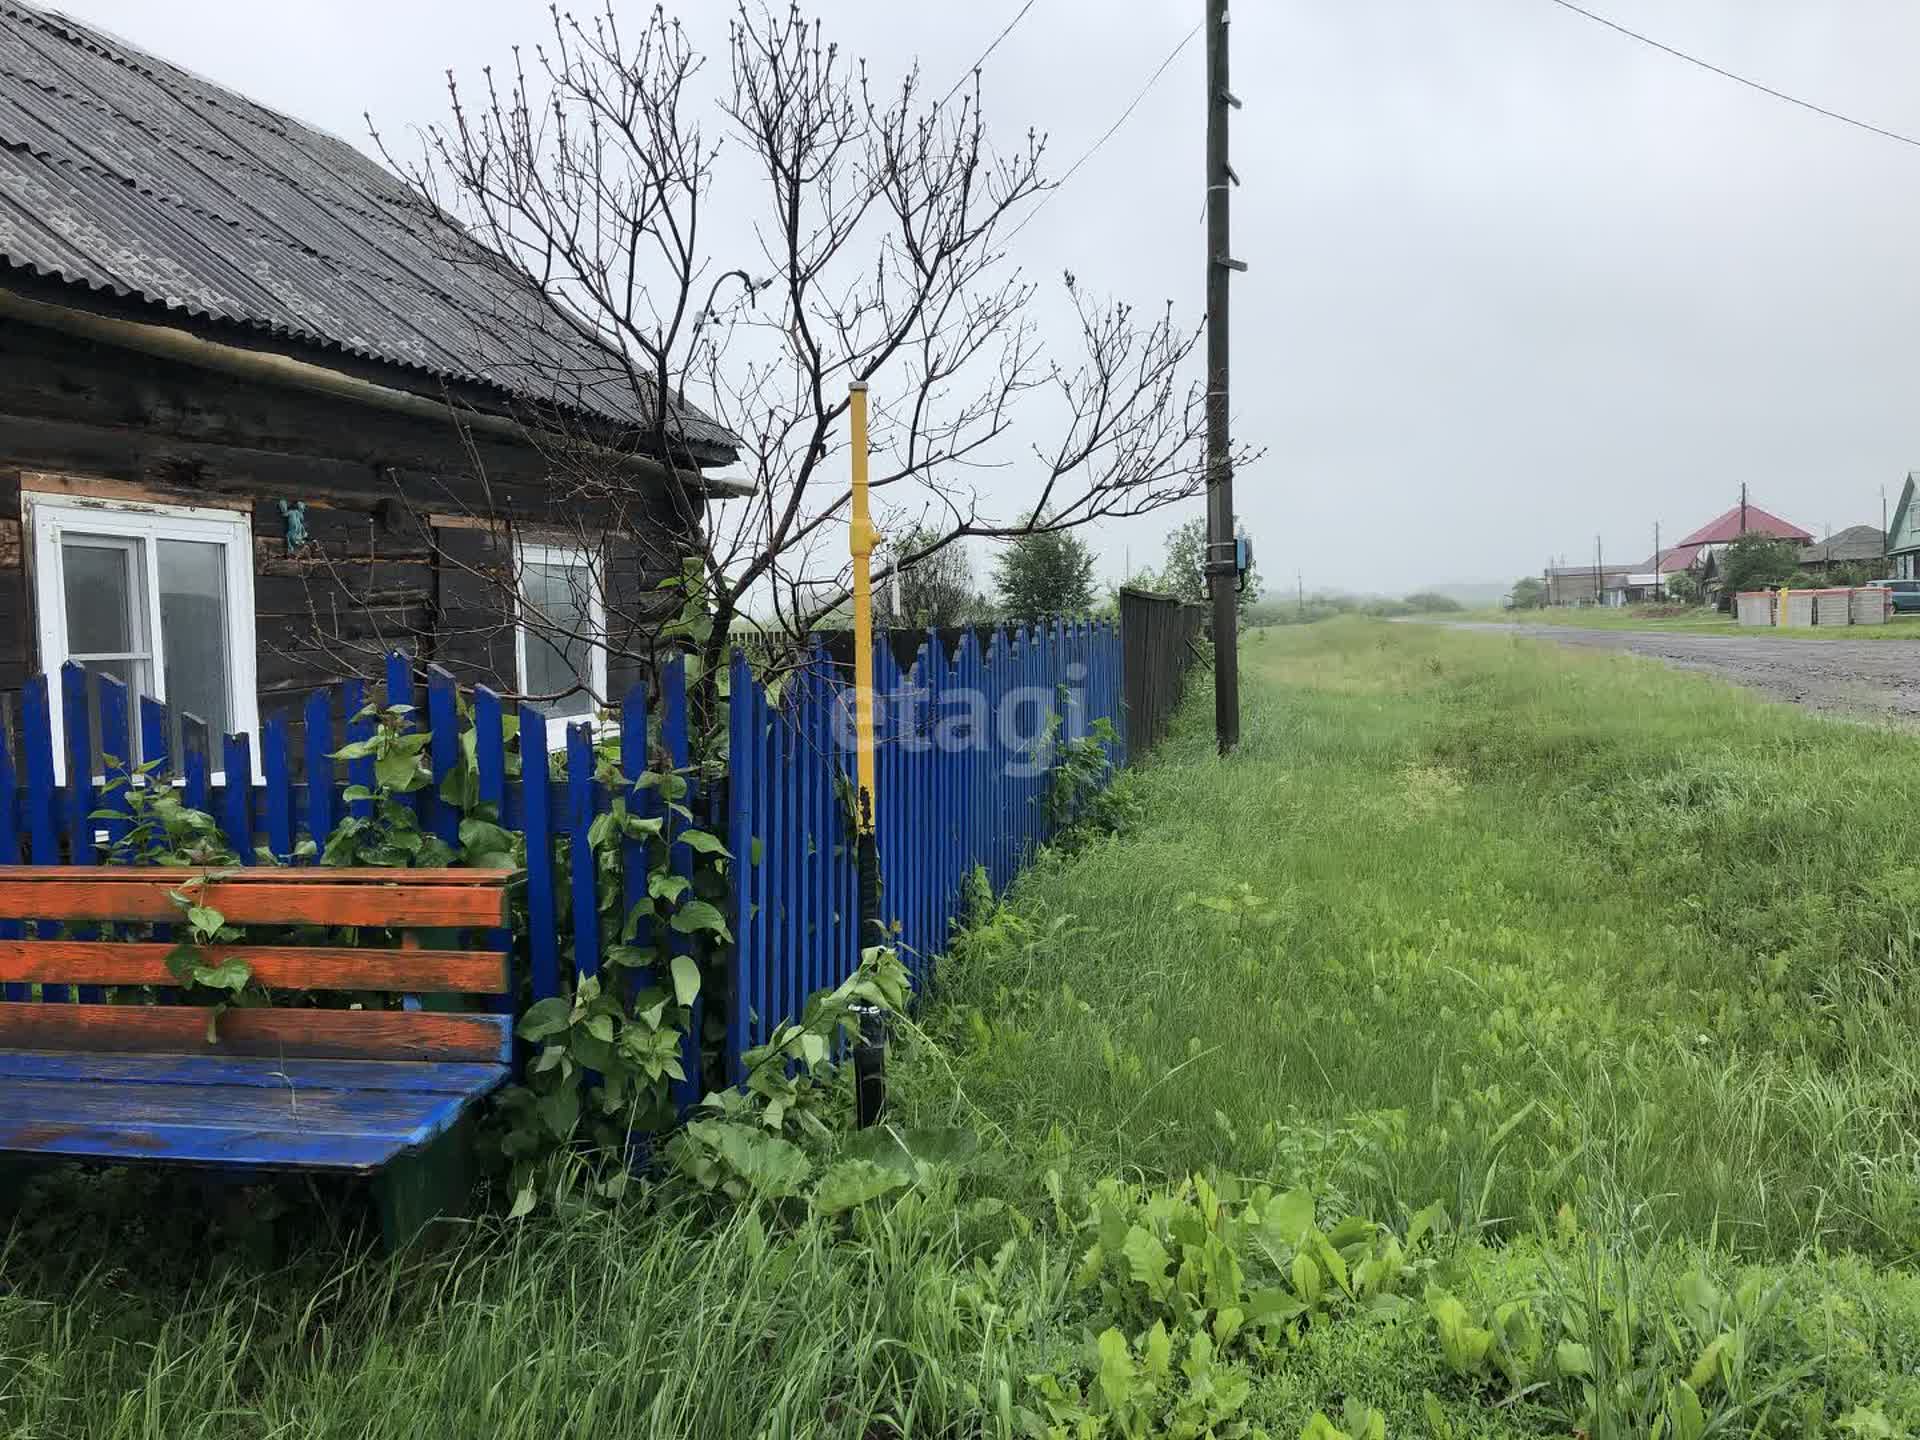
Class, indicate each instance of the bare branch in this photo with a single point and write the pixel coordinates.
(875, 253)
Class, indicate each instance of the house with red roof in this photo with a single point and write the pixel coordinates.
(1700, 551)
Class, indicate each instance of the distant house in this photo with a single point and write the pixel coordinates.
(1698, 558)
(1903, 535)
(1699, 553)
(1855, 545)
(1606, 585)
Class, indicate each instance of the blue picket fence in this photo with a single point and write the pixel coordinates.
(962, 753)
(962, 782)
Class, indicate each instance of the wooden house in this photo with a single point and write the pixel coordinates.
(1856, 546)
(1903, 533)
(232, 350)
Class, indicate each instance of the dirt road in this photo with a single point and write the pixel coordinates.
(1872, 679)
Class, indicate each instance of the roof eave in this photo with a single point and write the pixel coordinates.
(276, 367)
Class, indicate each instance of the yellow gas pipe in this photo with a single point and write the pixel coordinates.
(860, 538)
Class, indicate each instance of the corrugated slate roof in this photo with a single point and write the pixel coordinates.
(123, 173)
(1855, 543)
(1673, 558)
(1722, 528)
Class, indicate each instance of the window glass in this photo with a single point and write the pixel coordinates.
(193, 629)
(102, 597)
(557, 614)
(104, 586)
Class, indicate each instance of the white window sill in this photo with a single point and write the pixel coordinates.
(559, 725)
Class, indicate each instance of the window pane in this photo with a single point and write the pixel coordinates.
(102, 597)
(193, 628)
(558, 621)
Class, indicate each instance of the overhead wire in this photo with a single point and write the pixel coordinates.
(1106, 135)
(987, 53)
(1736, 77)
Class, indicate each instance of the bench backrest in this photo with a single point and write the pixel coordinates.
(406, 901)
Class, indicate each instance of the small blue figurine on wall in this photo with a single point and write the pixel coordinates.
(295, 515)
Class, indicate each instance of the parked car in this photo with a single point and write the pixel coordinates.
(1905, 595)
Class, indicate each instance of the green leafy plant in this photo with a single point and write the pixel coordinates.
(1358, 1421)
(867, 1164)
(609, 1051)
(1245, 1263)
(390, 833)
(1512, 1343)
(1081, 768)
(747, 1141)
(221, 983)
(1173, 1384)
(1082, 796)
(692, 620)
(152, 825)
(1208, 1276)
(1238, 908)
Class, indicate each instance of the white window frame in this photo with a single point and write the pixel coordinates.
(537, 552)
(49, 518)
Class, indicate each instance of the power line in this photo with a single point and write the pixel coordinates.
(1108, 134)
(1132, 105)
(857, 198)
(987, 53)
(1737, 79)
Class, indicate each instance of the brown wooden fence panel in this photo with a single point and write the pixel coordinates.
(1159, 637)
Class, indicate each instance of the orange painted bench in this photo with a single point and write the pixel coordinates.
(378, 1090)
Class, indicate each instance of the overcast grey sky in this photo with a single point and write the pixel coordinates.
(1516, 280)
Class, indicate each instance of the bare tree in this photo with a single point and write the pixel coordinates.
(594, 170)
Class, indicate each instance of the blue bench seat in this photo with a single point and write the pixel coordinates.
(353, 1115)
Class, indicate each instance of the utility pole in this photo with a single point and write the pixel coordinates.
(1596, 569)
(1743, 507)
(1659, 584)
(1222, 572)
(1300, 589)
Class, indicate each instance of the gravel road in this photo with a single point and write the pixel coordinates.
(1870, 679)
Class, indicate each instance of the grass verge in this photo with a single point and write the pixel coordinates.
(1611, 963)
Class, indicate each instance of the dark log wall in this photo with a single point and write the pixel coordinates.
(398, 555)
(15, 616)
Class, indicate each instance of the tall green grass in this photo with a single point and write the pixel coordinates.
(1519, 928)
(631, 1324)
(1614, 962)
